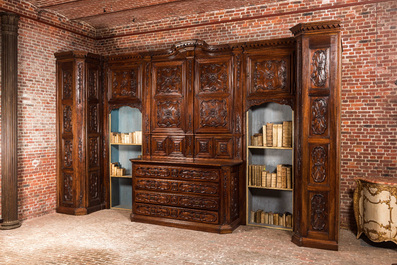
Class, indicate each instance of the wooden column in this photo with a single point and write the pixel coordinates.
(9, 121)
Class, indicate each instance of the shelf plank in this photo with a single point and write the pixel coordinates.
(125, 144)
(269, 147)
(270, 226)
(269, 188)
(125, 176)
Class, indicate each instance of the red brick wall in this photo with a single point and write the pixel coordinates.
(37, 44)
(369, 92)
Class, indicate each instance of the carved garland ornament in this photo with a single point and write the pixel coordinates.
(318, 212)
(319, 72)
(172, 186)
(319, 157)
(319, 118)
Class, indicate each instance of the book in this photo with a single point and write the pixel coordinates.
(279, 135)
(252, 217)
(269, 134)
(262, 217)
(275, 219)
(264, 178)
(274, 180)
(271, 218)
(258, 216)
(266, 218)
(268, 179)
(264, 135)
(289, 177)
(284, 177)
(287, 134)
(279, 178)
(275, 135)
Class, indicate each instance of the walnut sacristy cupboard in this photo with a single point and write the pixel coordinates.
(198, 108)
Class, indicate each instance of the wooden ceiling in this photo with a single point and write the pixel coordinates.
(109, 14)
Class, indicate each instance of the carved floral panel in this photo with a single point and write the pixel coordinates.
(319, 69)
(125, 83)
(319, 116)
(93, 118)
(269, 75)
(67, 79)
(94, 152)
(169, 80)
(213, 77)
(213, 113)
(318, 211)
(169, 114)
(68, 154)
(92, 84)
(67, 188)
(67, 119)
(93, 185)
(318, 164)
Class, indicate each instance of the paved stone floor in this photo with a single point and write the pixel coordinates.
(109, 237)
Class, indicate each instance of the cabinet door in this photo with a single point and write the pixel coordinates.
(213, 102)
(124, 82)
(168, 90)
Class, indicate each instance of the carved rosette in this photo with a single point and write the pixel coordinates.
(93, 118)
(319, 68)
(169, 114)
(169, 80)
(94, 188)
(125, 83)
(318, 212)
(319, 116)
(67, 84)
(67, 119)
(67, 188)
(270, 75)
(319, 158)
(93, 147)
(213, 78)
(68, 154)
(213, 113)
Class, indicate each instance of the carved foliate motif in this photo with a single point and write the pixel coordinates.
(213, 78)
(234, 196)
(80, 151)
(93, 84)
(173, 186)
(319, 68)
(177, 200)
(213, 113)
(67, 84)
(319, 116)
(79, 82)
(67, 188)
(67, 119)
(94, 187)
(175, 213)
(270, 75)
(319, 158)
(94, 152)
(169, 114)
(318, 212)
(169, 80)
(93, 118)
(68, 154)
(125, 83)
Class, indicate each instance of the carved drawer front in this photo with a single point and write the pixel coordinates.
(204, 147)
(268, 73)
(178, 173)
(223, 147)
(176, 186)
(177, 200)
(177, 213)
(124, 82)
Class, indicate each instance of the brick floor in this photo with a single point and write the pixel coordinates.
(109, 237)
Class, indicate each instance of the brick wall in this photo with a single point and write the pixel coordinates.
(369, 92)
(37, 43)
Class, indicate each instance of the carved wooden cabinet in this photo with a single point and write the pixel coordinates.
(79, 130)
(196, 195)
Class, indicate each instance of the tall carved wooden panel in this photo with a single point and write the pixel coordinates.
(79, 119)
(317, 125)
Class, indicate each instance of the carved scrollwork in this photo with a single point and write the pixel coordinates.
(319, 158)
(175, 213)
(67, 84)
(319, 116)
(319, 68)
(67, 188)
(93, 147)
(67, 119)
(94, 187)
(68, 154)
(79, 82)
(169, 80)
(318, 212)
(93, 84)
(169, 114)
(213, 78)
(270, 75)
(213, 113)
(93, 118)
(173, 186)
(125, 83)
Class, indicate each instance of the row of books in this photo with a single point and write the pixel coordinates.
(262, 217)
(259, 177)
(126, 138)
(274, 135)
(116, 170)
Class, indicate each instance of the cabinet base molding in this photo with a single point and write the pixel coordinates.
(10, 225)
(220, 229)
(80, 211)
(314, 243)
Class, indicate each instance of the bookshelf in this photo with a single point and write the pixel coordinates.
(125, 141)
(270, 194)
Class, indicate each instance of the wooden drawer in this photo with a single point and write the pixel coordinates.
(177, 173)
(184, 214)
(177, 200)
(163, 185)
